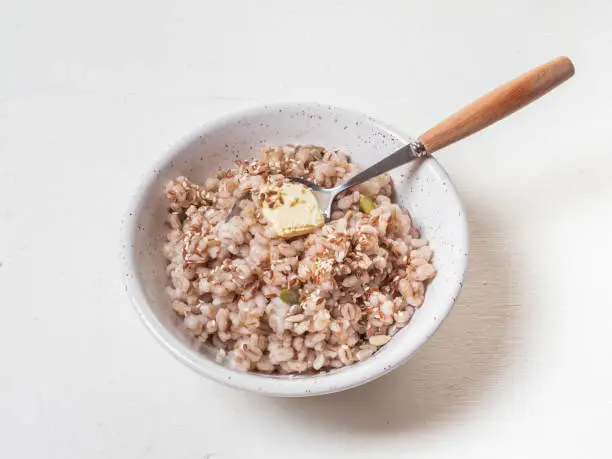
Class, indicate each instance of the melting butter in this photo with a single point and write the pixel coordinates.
(292, 210)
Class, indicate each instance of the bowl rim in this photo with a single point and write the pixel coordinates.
(281, 386)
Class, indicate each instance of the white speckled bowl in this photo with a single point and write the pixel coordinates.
(423, 188)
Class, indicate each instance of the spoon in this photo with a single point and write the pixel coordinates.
(490, 108)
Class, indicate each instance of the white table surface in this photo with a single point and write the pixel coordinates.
(92, 93)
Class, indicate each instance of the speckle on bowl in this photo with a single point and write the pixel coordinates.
(422, 187)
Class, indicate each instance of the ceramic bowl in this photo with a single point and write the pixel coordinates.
(421, 187)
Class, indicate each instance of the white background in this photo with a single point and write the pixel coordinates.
(92, 93)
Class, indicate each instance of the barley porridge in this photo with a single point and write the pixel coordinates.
(305, 304)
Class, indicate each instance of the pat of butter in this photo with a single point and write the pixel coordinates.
(293, 210)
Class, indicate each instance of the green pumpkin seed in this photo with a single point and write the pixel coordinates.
(366, 204)
(290, 296)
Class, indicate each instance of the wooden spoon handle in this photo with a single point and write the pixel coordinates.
(498, 104)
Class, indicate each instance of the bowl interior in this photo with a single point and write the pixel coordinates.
(421, 187)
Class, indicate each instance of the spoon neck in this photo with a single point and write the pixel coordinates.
(413, 150)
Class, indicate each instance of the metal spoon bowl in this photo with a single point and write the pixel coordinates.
(326, 196)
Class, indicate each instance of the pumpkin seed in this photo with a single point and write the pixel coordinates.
(366, 204)
(290, 296)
